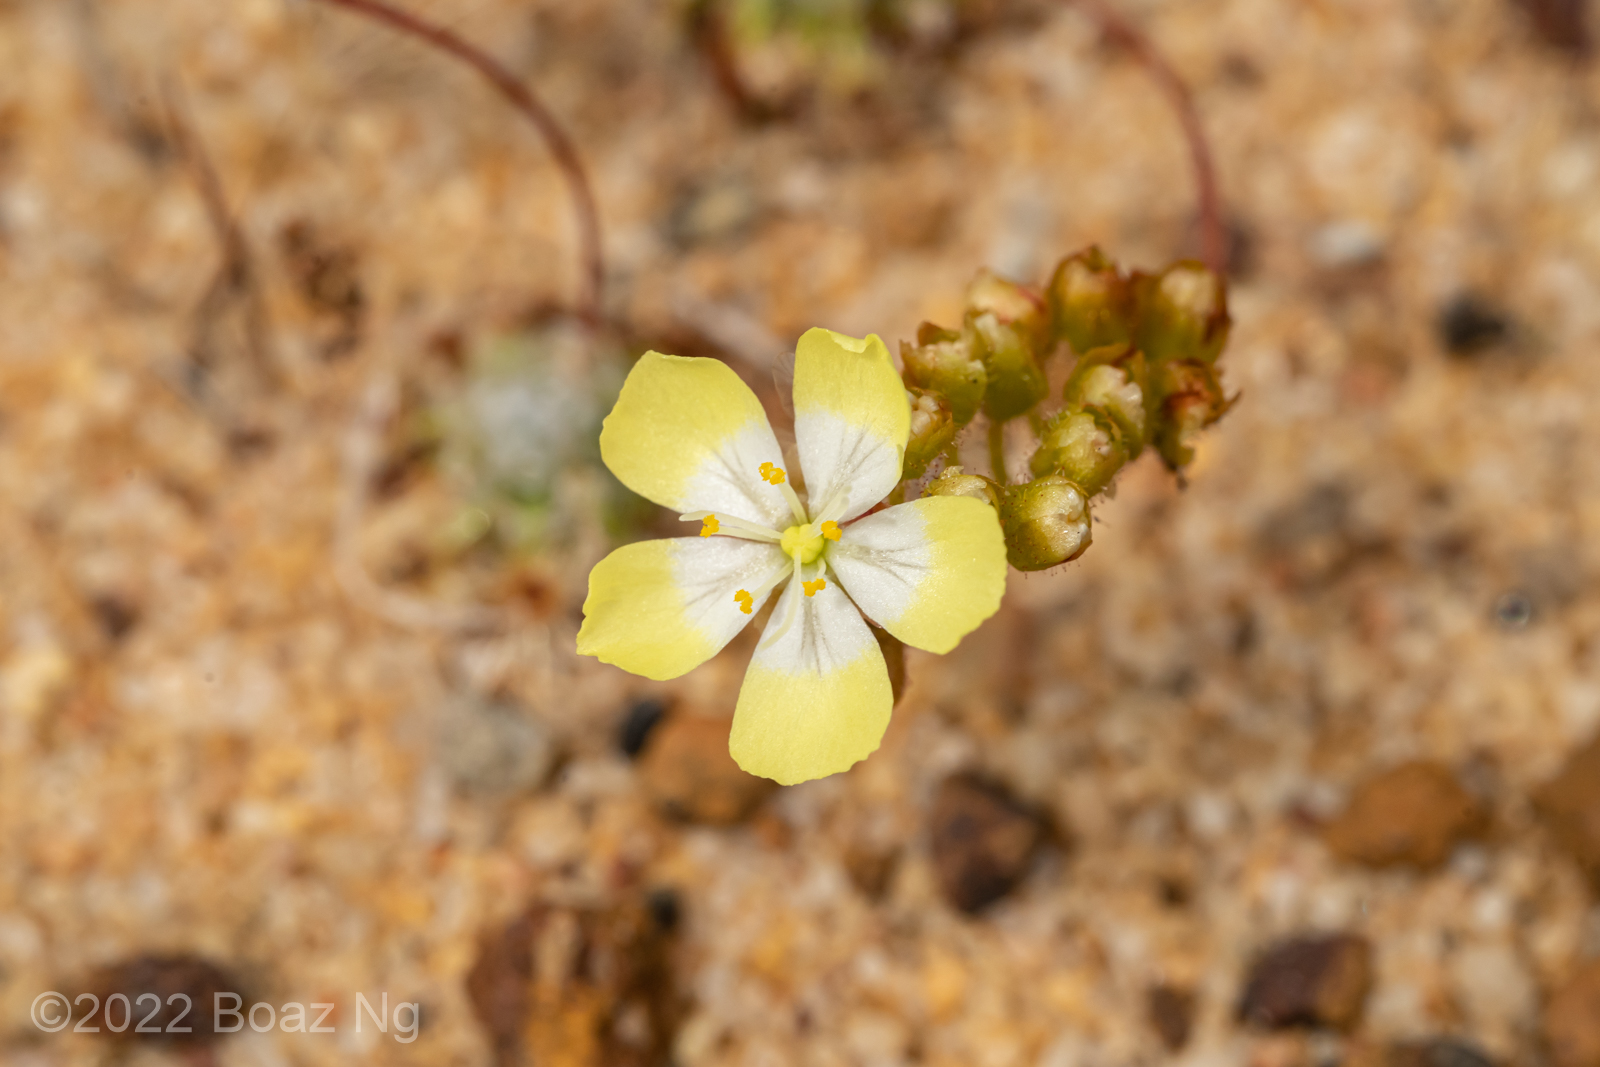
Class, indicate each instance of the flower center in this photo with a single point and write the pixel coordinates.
(805, 540)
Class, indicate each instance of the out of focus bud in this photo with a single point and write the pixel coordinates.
(1016, 381)
(1046, 522)
(1090, 302)
(956, 482)
(950, 364)
(1013, 304)
(1183, 313)
(1112, 379)
(932, 430)
(1190, 399)
(1086, 449)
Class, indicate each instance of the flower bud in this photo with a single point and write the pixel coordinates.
(1090, 302)
(1013, 304)
(956, 482)
(932, 430)
(949, 364)
(1190, 399)
(1112, 380)
(1086, 449)
(1183, 313)
(1046, 522)
(1016, 381)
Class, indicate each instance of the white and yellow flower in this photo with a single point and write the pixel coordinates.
(689, 435)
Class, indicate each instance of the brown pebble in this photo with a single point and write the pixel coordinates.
(1562, 24)
(1437, 1052)
(1572, 1020)
(1310, 981)
(1171, 1014)
(686, 769)
(578, 987)
(871, 869)
(169, 979)
(982, 840)
(1570, 807)
(1411, 814)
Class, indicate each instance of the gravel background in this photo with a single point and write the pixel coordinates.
(270, 699)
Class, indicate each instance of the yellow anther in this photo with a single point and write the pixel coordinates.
(747, 603)
(773, 474)
(831, 531)
(811, 588)
(709, 525)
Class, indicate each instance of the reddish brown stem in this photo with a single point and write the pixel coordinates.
(236, 273)
(520, 97)
(1213, 234)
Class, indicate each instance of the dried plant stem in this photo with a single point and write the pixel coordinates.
(1213, 232)
(360, 460)
(520, 97)
(235, 275)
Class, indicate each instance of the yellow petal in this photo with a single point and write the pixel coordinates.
(851, 421)
(689, 435)
(815, 701)
(928, 571)
(662, 608)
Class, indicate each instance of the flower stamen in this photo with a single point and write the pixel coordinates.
(746, 602)
(830, 511)
(812, 588)
(831, 531)
(773, 474)
(714, 524)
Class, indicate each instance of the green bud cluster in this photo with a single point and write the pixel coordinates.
(1144, 374)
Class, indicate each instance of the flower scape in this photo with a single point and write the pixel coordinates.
(833, 533)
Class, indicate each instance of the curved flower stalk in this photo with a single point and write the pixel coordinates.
(689, 435)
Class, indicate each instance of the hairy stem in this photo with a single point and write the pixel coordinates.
(997, 450)
(1213, 233)
(520, 97)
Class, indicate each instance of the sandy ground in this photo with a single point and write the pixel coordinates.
(267, 697)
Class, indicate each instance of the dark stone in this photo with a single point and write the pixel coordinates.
(115, 615)
(1468, 325)
(1561, 24)
(983, 841)
(1437, 1052)
(169, 978)
(665, 908)
(1309, 981)
(1172, 1015)
(637, 724)
(579, 986)
(1513, 611)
